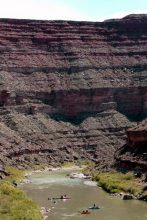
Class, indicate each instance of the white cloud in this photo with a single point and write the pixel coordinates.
(34, 9)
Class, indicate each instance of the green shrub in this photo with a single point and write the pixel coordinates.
(116, 182)
(14, 204)
(26, 210)
(133, 190)
(129, 176)
(67, 164)
(15, 175)
(113, 171)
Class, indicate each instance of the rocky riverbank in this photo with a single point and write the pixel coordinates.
(79, 175)
(44, 212)
(125, 186)
(122, 195)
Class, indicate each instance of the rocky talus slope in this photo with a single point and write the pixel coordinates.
(69, 90)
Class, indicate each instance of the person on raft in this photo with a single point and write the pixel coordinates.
(94, 205)
(62, 197)
(84, 212)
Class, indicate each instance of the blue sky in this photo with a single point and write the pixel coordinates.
(90, 10)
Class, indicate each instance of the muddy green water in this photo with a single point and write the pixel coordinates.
(56, 183)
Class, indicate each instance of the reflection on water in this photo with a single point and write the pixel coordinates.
(56, 183)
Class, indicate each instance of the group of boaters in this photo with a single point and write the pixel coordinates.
(62, 197)
(87, 211)
(83, 212)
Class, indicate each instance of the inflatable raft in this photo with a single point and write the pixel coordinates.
(85, 212)
(97, 207)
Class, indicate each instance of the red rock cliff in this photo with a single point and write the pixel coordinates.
(68, 89)
(133, 155)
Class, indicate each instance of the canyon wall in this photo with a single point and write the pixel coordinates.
(69, 90)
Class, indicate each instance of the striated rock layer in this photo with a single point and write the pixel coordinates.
(69, 90)
(133, 155)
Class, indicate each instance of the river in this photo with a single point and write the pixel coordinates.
(56, 183)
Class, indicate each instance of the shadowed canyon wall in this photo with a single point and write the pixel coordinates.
(69, 90)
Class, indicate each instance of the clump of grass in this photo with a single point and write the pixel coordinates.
(14, 204)
(15, 175)
(89, 167)
(115, 182)
(67, 164)
(129, 176)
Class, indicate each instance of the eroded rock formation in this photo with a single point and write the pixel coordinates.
(69, 90)
(133, 155)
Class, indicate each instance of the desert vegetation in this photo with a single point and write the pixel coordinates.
(116, 182)
(14, 204)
